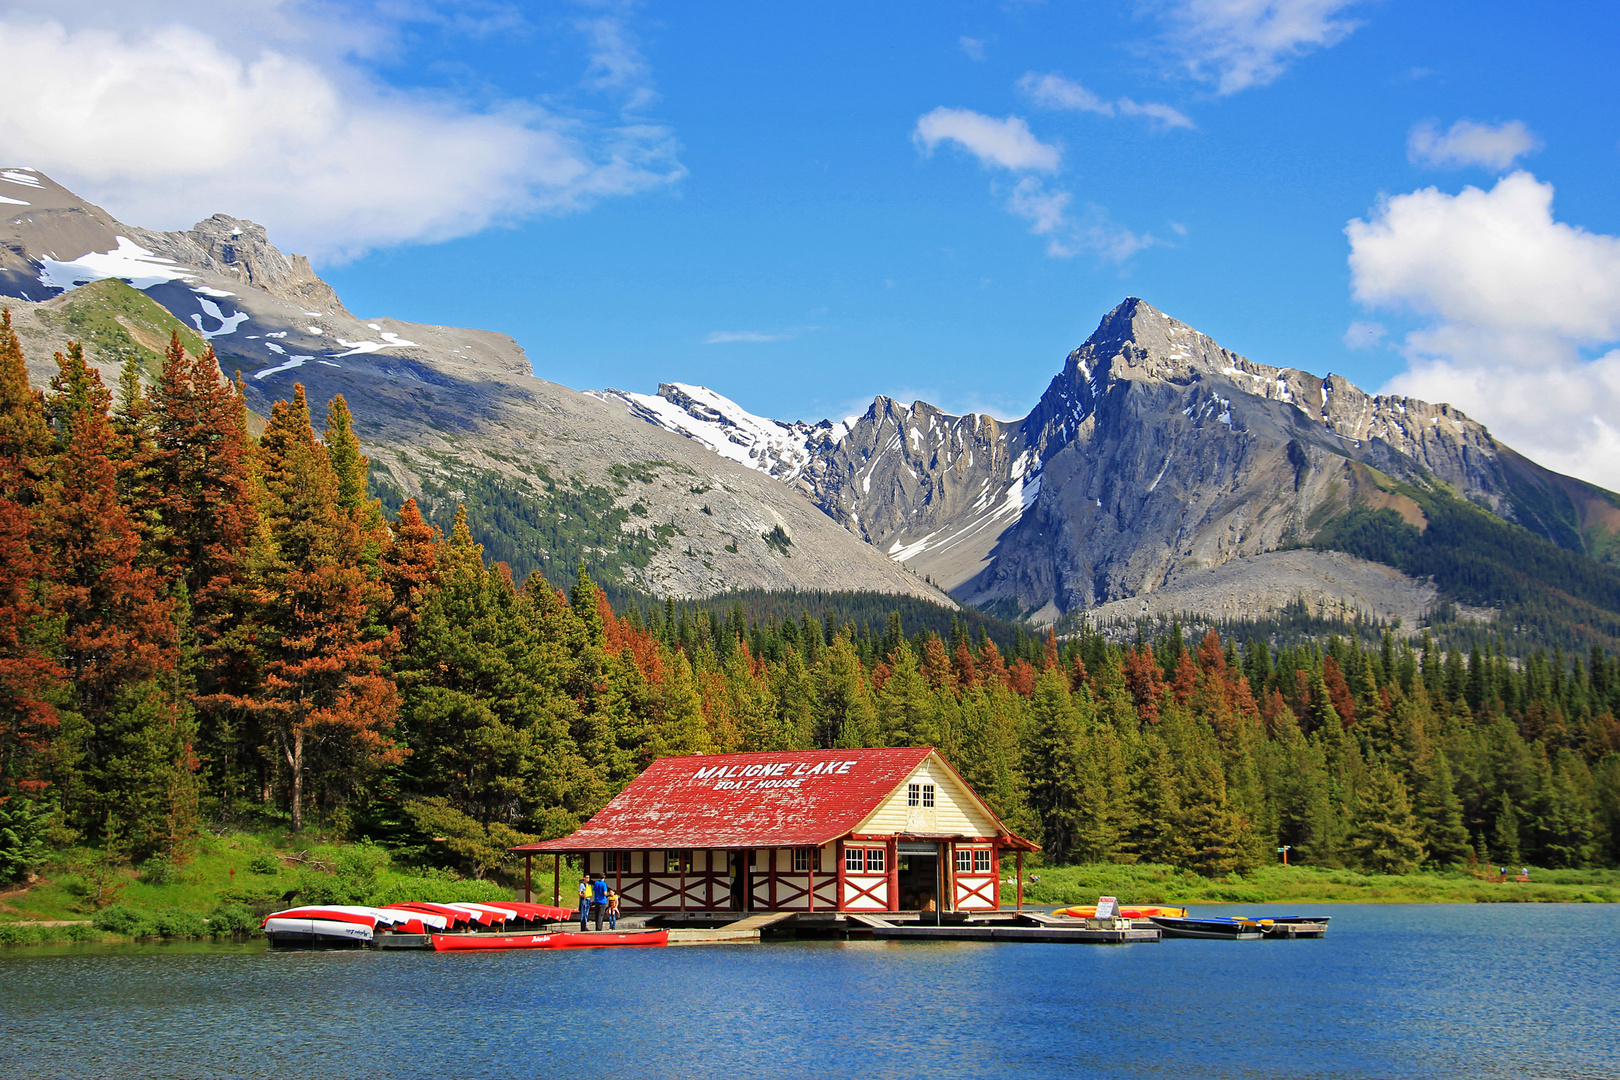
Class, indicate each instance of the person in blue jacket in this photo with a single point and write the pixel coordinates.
(599, 895)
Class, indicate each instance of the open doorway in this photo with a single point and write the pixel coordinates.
(741, 878)
(918, 876)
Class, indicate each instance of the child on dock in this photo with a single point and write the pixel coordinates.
(613, 909)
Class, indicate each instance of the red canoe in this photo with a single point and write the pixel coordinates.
(467, 942)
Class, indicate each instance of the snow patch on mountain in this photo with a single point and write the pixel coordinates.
(775, 447)
(136, 265)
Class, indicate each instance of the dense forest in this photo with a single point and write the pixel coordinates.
(200, 628)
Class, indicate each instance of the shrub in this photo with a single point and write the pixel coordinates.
(123, 919)
(228, 920)
(175, 922)
(159, 871)
(264, 863)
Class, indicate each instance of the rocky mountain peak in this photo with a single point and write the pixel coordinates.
(241, 250)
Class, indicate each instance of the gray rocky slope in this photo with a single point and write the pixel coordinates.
(1155, 453)
(435, 405)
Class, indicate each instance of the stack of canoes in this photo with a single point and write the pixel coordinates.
(336, 923)
(1089, 911)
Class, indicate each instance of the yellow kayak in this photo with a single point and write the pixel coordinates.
(1089, 911)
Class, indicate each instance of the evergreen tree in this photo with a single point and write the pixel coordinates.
(1385, 838)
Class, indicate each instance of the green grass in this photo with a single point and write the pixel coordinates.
(233, 880)
(115, 322)
(1150, 884)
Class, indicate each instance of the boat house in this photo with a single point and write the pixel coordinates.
(893, 829)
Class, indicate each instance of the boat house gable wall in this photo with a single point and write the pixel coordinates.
(956, 812)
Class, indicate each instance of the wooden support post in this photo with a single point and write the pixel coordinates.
(556, 880)
(775, 854)
(838, 893)
(815, 861)
(684, 857)
(995, 868)
(894, 873)
(1020, 880)
(528, 878)
(618, 873)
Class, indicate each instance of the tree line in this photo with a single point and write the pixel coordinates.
(203, 627)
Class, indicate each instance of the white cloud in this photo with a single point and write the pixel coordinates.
(1155, 111)
(164, 123)
(745, 337)
(1052, 91)
(1364, 335)
(1007, 143)
(1237, 44)
(972, 47)
(1056, 92)
(1067, 235)
(1470, 143)
(1513, 301)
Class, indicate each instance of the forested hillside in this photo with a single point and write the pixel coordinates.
(200, 627)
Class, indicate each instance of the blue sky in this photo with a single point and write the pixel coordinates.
(803, 205)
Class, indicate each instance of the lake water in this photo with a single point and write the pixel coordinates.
(1465, 991)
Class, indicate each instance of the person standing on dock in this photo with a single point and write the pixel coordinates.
(599, 899)
(613, 909)
(584, 903)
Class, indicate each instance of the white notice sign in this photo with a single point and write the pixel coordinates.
(1107, 907)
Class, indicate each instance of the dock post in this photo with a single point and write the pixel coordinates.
(556, 880)
(528, 879)
(1020, 880)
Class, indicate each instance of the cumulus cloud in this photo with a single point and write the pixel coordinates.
(1469, 143)
(1514, 303)
(1052, 91)
(164, 122)
(1237, 44)
(1067, 234)
(1006, 143)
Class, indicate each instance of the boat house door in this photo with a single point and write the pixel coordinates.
(741, 878)
(918, 876)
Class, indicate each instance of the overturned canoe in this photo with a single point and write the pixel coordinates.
(558, 940)
(1222, 927)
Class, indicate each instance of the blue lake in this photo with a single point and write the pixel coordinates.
(1475, 991)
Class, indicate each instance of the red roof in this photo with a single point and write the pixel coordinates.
(794, 798)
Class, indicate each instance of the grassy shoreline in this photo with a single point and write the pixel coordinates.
(227, 884)
(1149, 884)
(233, 879)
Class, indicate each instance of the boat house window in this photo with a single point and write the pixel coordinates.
(617, 862)
(928, 795)
(913, 794)
(677, 861)
(801, 860)
(964, 860)
(874, 860)
(981, 860)
(854, 860)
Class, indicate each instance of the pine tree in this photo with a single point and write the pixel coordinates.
(119, 640)
(322, 673)
(1385, 837)
(1438, 810)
